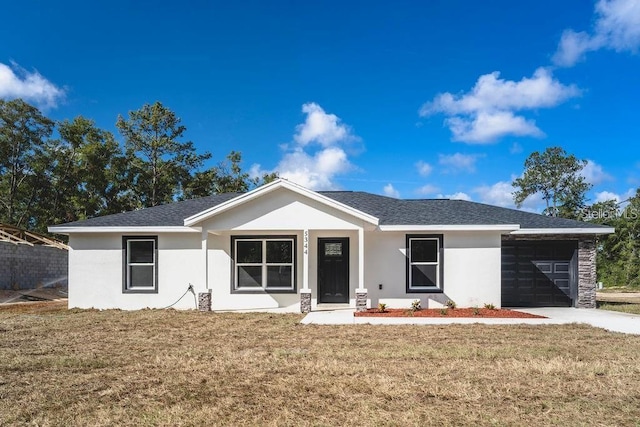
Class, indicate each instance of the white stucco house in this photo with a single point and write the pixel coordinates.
(285, 246)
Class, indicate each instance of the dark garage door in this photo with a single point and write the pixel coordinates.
(539, 274)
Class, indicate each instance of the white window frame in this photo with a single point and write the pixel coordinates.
(127, 263)
(438, 285)
(264, 264)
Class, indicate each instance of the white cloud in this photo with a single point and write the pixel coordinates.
(427, 189)
(604, 196)
(617, 27)
(487, 112)
(594, 174)
(498, 194)
(315, 158)
(501, 194)
(424, 169)
(320, 127)
(315, 171)
(458, 162)
(455, 196)
(16, 82)
(390, 191)
(488, 127)
(572, 48)
(515, 148)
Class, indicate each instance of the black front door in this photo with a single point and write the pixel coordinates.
(333, 270)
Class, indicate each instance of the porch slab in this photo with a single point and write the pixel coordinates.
(609, 320)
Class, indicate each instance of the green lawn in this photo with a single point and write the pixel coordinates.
(153, 367)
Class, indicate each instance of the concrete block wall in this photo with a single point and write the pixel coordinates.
(30, 267)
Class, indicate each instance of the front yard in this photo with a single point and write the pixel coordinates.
(152, 367)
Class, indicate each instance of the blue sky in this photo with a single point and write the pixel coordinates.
(410, 99)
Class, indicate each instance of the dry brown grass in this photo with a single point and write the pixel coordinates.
(633, 308)
(151, 367)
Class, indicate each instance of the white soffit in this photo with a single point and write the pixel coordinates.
(451, 227)
(525, 231)
(142, 230)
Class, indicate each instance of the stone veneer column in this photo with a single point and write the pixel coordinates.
(305, 300)
(204, 301)
(361, 299)
(586, 273)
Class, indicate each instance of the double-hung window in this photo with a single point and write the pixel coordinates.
(424, 263)
(140, 262)
(264, 263)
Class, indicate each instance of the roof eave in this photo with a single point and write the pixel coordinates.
(272, 186)
(67, 230)
(575, 230)
(451, 227)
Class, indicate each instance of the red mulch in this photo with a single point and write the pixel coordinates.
(451, 312)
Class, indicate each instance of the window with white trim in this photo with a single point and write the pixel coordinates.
(424, 264)
(264, 263)
(140, 264)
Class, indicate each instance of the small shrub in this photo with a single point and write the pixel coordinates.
(443, 311)
(382, 308)
(410, 312)
(451, 304)
(490, 306)
(415, 305)
(476, 311)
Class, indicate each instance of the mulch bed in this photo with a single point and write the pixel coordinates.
(450, 312)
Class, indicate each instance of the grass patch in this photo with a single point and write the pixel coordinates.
(625, 308)
(153, 367)
(617, 289)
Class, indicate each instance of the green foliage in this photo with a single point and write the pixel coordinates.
(451, 304)
(444, 311)
(226, 177)
(23, 170)
(490, 306)
(87, 170)
(52, 173)
(382, 308)
(160, 165)
(415, 305)
(476, 311)
(618, 254)
(556, 175)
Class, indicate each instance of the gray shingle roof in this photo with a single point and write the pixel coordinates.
(392, 211)
(388, 210)
(172, 214)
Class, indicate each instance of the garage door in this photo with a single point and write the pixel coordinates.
(539, 274)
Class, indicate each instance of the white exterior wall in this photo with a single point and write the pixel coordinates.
(280, 213)
(471, 274)
(95, 271)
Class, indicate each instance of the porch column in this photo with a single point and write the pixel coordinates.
(305, 292)
(361, 292)
(204, 297)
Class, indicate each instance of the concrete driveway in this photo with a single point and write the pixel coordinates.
(609, 320)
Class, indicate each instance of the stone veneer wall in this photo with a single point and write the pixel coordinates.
(30, 267)
(586, 263)
(587, 273)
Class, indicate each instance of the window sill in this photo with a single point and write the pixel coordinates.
(140, 291)
(425, 291)
(264, 291)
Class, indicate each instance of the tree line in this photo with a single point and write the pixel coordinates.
(557, 176)
(53, 172)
